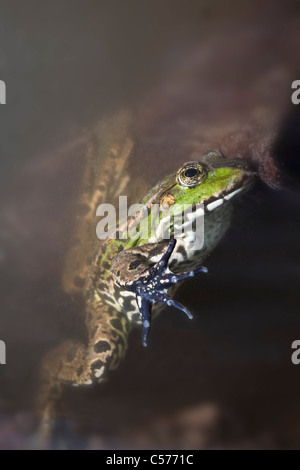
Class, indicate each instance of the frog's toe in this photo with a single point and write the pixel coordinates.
(145, 309)
(145, 304)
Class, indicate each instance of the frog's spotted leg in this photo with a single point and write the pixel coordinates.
(77, 363)
(150, 283)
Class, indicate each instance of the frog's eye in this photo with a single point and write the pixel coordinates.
(191, 174)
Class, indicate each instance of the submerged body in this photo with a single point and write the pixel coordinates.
(122, 279)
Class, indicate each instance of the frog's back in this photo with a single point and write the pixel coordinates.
(108, 150)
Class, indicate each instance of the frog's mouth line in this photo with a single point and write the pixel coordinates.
(246, 182)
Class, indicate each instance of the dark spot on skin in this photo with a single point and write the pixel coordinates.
(116, 323)
(79, 371)
(154, 252)
(78, 281)
(127, 305)
(102, 346)
(158, 249)
(182, 251)
(101, 187)
(97, 365)
(118, 273)
(136, 317)
(133, 265)
(106, 265)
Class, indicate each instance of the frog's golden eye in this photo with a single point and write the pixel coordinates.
(191, 174)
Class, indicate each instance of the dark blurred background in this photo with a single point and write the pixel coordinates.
(198, 75)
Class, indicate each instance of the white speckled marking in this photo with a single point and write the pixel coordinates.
(213, 205)
(234, 193)
(99, 372)
(88, 382)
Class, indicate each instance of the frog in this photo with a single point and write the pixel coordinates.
(126, 281)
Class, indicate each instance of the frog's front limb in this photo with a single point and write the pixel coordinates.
(76, 363)
(131, 270)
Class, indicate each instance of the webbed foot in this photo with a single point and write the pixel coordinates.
(153, 287)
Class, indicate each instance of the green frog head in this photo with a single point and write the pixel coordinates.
(198, 190)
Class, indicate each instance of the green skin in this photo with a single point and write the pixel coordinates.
(216, 182)
(120, 267)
